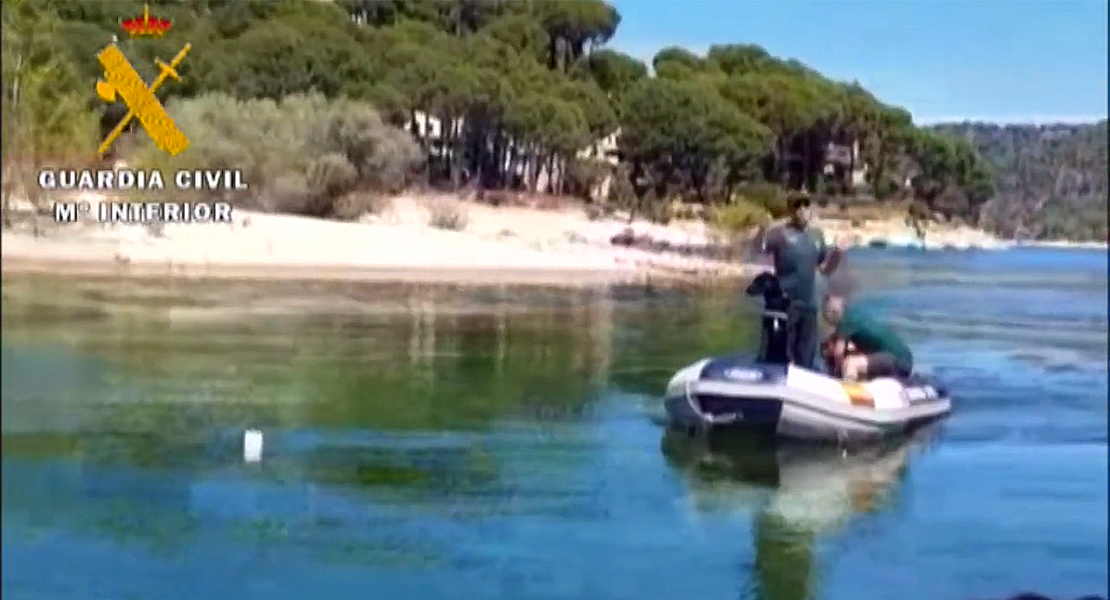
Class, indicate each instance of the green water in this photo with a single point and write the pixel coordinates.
(437, 442)
(392, 357)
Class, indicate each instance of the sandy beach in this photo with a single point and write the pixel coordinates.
(507, 244)
(497, 245)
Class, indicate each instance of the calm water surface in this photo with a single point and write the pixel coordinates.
(424, 442)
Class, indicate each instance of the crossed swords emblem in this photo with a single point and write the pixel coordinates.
(123, 81)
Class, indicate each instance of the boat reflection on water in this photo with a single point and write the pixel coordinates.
(795, 494)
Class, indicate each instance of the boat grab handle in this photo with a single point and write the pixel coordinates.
(690, 399)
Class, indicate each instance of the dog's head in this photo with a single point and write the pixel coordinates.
(763, 285)
(767, 287)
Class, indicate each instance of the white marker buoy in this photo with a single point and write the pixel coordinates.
(252, 445)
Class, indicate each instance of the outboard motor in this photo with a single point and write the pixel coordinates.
(775, 336)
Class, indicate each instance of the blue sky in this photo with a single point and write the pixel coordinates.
(996, 60)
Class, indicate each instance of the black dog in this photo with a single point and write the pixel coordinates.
(767, 286)
(775, 341)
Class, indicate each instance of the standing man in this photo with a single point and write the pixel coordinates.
(799, 252)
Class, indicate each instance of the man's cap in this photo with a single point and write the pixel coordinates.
(797, 199)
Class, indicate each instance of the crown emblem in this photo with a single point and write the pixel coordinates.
(145, 25)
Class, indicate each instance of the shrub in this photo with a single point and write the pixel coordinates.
(302, 155)
(43, 118)
(917, 216)
(768, 196)
(738, 217)
(584, 176)
(447, 214)
(332, 175)
(660, 212)
(287, 193)
(622, 194)
(887, 187)
(351, 206)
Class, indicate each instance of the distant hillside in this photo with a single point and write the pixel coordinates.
(1050, 181)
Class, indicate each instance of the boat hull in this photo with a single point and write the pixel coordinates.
(793, 403)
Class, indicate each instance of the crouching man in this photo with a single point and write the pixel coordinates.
(877, 351)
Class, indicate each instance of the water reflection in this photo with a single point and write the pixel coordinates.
(437, 442)
(165, 494)
(130, 489)
(798, 494)
(125, 422)
(443, 362)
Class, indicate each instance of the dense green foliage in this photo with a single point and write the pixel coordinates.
(305, 155)
(520, 88)
(45, 104)
(1050, 181)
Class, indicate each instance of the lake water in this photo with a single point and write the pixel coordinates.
(432, 442)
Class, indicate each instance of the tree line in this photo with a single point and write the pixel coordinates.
(518, 87)
(1050, 180)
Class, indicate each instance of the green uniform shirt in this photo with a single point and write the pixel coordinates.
(797, 253)
(871, 336)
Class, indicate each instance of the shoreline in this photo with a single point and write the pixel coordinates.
(419, 274)
(510, 245)
(399, 243)
(1060, 244)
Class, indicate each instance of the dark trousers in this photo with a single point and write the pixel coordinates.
(802, 326)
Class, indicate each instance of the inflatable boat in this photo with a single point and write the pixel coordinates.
(769, 394)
